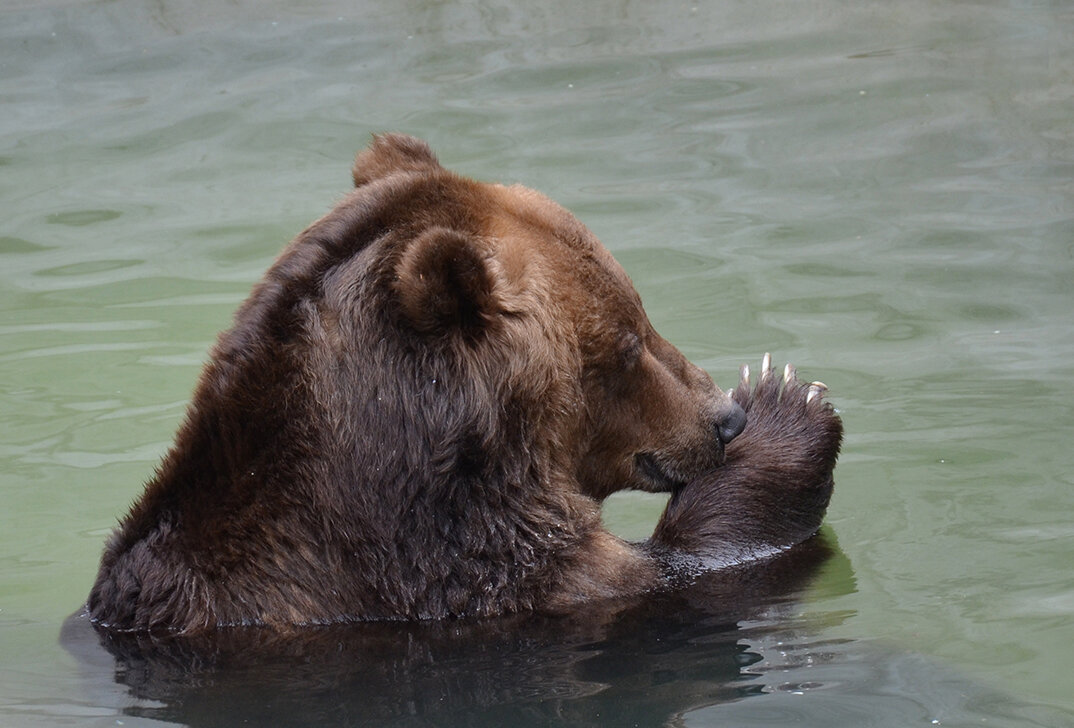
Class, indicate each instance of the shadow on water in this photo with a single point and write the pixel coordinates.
(637, 664)
(748, 646)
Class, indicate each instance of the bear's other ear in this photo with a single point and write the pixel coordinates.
(391, 153)
(446, 281)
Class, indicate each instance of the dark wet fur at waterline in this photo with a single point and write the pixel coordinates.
(644, 661)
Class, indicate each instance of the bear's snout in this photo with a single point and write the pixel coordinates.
(730, 422)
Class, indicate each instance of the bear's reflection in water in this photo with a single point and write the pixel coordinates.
(632, 664)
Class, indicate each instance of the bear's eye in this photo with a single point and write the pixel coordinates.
(630, 348)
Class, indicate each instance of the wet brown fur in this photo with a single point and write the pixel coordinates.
(416, 414)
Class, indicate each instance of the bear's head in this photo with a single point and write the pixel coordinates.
(505, 324)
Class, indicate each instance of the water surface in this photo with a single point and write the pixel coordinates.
(882, 193)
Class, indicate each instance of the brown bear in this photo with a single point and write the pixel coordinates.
(417, 412)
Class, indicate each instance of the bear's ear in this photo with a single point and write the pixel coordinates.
(447, 281)
(391, 153)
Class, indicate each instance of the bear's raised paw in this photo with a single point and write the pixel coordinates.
(773, 488)
(789, 424)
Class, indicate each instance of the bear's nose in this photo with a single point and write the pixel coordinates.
(731, 422)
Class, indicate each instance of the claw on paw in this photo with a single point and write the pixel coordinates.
(815, 390)
(766, 365)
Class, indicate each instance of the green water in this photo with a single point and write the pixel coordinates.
(882, 193)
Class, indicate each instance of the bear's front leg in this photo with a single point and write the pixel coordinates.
(774, 486)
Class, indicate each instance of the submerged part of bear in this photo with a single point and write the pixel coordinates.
(417, 412)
